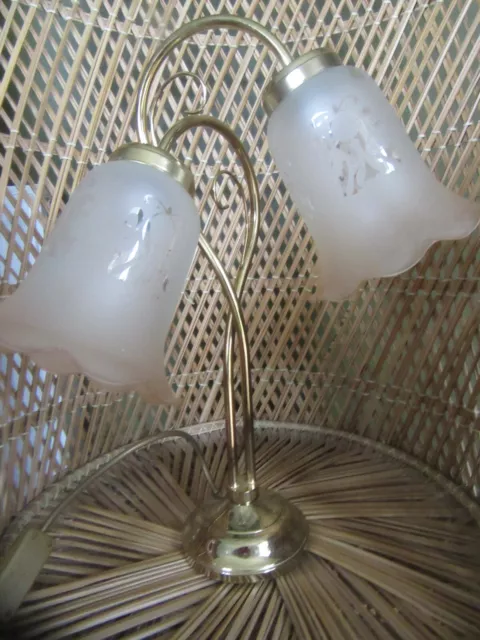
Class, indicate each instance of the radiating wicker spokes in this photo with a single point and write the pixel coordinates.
(390, 554)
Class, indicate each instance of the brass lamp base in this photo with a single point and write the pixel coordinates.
(238, 542)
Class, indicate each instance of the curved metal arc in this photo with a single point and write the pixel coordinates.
(216, 196)
(120, 455)
(236, 317)
(146, 134)
(239, 491)
(186, 112)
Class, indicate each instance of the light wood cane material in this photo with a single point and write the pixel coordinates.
(399, 362)
(391, 554)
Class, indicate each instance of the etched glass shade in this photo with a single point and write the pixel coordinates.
(371, 204)
(101, 296)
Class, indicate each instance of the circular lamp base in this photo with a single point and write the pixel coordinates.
(244, 542)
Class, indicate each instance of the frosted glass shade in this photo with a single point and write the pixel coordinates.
(101, 296)
(369, 201)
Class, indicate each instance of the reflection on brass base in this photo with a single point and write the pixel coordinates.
(243, 542)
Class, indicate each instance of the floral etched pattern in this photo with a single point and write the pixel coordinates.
(348, 132)
(139, 223)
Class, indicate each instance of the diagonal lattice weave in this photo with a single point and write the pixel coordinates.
(398, 363)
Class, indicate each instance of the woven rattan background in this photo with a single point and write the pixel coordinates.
(399, 363)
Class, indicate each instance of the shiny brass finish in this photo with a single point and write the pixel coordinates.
(178, 37)
(193, 76)
(244, 542)
(241, 487)
(154, 157)
(295, 74)
(246, 534)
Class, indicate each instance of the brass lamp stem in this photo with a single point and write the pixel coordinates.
(241, 489)
(252, 531)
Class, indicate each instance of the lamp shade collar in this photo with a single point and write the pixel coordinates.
(295, 74)
(154, 157)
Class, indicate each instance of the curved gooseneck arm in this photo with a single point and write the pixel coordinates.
(241, 489)
(178, 37)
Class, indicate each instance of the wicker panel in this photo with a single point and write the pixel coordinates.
(400, 362)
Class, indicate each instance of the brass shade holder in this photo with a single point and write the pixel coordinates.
(155, 157)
